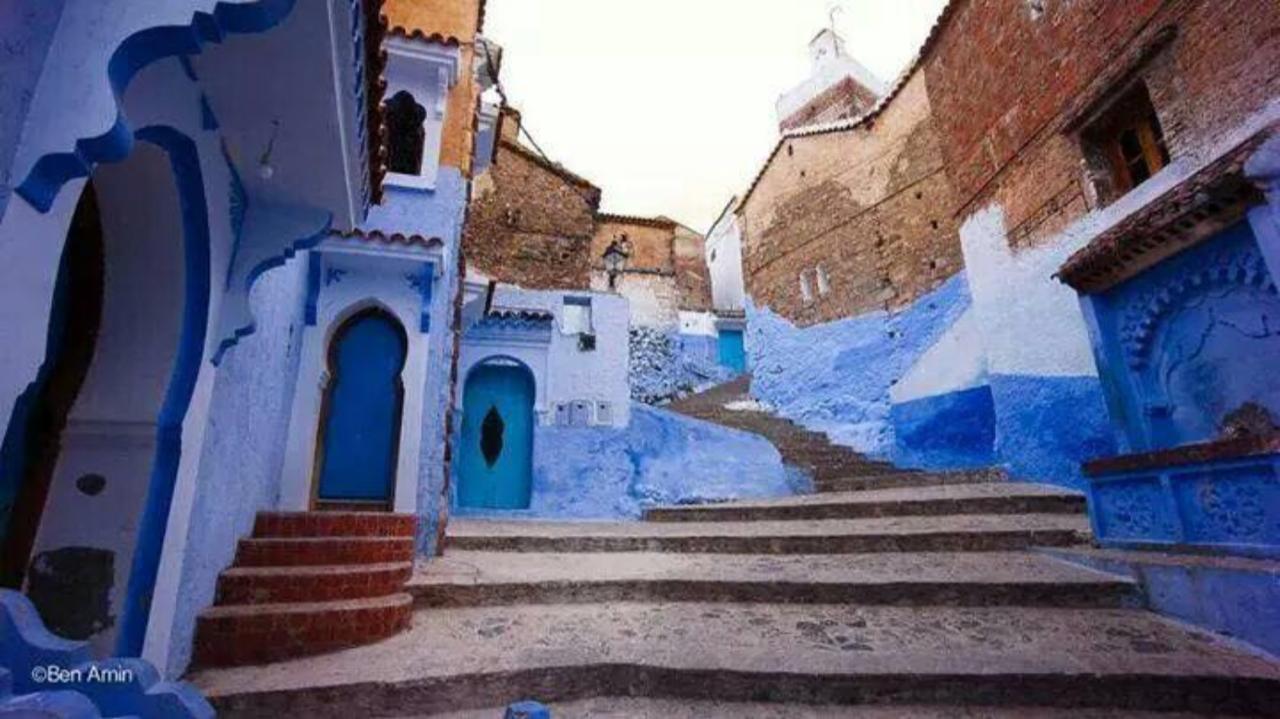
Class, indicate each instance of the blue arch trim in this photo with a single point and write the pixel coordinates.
(184, 159)
(51, 172)
(289, 253)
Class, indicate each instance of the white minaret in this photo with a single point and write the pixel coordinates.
(830, 63)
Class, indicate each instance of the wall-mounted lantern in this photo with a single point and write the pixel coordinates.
(615, 258)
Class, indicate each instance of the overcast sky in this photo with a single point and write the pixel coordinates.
(668, 105)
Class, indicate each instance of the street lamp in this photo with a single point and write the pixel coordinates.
(615, 259)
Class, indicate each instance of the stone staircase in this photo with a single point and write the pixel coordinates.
(919, 601)
(309, 582)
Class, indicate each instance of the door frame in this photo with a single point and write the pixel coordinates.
(318, 503)
(509, 362)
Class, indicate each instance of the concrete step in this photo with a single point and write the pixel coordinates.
(460, 579)
(457, 659)
(631, 708)
(898, 534)
(989, 498)
(333, 524)
(296, 551)
(258, 633)
(272, 585)
(836, 482)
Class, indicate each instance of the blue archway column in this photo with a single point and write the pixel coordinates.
(184, 159)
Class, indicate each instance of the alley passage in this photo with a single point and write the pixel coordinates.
(883, 588)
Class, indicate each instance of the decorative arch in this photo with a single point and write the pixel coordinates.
(495, 451)
(49, 173)
(334, 415)
(184, 159)
(1147, 314)
(502, 360)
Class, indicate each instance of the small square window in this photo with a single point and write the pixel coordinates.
(576, 317)
(806, 290)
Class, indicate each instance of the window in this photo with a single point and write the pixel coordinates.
(405, 134)
(576, 318)
(1125, 146)
(806, 290)
(824, 285)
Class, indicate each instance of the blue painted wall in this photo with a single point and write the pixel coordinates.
(661, 458)
(836, 377)
(1047, 426)
(244, 444)
(362, 429)
(26, 31)
(952, 430)
(1189, 341)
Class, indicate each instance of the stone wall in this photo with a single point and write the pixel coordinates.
(868, 207)
(531, 224)
(693, 279)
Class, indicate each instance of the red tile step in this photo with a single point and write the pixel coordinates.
(316, 551)
(333, 524)
(273, 585)
(261, 633)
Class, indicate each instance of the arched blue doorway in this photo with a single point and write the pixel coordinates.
(495, 468)
(360, 420)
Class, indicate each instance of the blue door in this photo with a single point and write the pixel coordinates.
(733, 352)
(361, 424)
(496, 463)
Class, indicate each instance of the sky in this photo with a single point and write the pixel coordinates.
(668, 105)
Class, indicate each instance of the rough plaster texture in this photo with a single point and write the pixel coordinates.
(724, 263)
(244, 445)
(836, 377)
(661, 458)
(665, 365)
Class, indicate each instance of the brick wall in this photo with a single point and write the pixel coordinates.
(872, 206)
(693, 278)
(531, 224)
(842, 100)
(1009, 119)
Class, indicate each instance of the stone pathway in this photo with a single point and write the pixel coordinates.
(928, 600)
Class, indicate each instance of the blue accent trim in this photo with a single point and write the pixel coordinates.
(51, 172)
(184, 158)
(313, 286)
(426, 287)
(187, 68)
(207, 119)
(305, 243)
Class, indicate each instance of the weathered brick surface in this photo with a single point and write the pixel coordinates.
(842, 100)
(1008, 119)
(871, 205)
(531, 224)
(667, 265)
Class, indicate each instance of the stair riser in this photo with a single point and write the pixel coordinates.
(283, 553)
(321, 524)
(939, 542)
(315, 588)
(1100, 595)
(975, 505)
(1206, 694)
(841, 482)
(232, 641)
